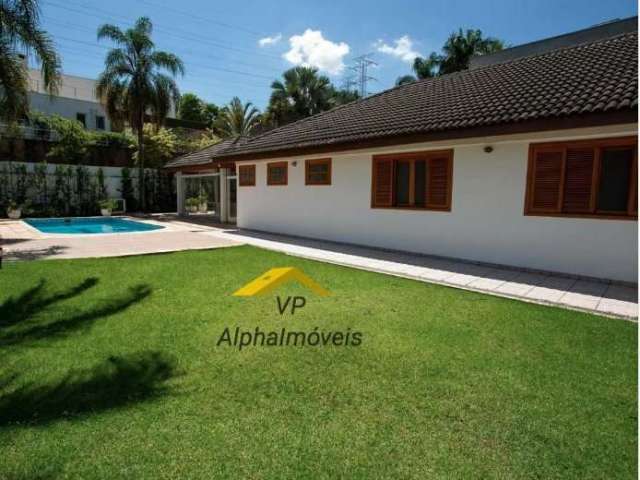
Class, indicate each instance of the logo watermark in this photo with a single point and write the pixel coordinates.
(316, 337)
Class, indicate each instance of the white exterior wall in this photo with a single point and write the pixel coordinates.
(69, 108)
(486, 222)
(75, 95)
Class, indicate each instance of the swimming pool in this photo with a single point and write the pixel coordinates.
(89, 225)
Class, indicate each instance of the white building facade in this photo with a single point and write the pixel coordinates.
(486, 221)
(76, 99)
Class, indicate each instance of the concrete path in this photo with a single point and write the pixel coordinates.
(600, 297)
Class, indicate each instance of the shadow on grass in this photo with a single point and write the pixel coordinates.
(115, 383)
(22, 319)
(15, 310)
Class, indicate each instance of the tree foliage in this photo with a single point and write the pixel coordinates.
(455, 55)
(71, 140)
(192, 108)
(237, 119)
(20, 35)
(302, 92)
(161, 145)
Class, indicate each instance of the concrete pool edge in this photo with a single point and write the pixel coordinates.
(41, 234)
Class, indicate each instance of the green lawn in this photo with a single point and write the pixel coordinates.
(109, 369)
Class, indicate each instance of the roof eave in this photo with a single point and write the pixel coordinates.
(546, 124)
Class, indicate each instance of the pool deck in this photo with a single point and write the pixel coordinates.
(23, 242)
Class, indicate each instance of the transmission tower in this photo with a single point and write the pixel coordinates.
(360, 67)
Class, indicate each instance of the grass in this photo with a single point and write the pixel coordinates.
(109, 369)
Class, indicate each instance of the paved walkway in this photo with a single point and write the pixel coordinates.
(21, 242)
(605, 298)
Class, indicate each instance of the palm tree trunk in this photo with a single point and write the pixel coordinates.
(143, 203)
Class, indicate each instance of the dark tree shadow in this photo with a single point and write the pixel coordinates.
(115, 383)
(18, 325)
(34, 253)
(15, 310)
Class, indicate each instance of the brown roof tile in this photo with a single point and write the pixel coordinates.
(601, 76)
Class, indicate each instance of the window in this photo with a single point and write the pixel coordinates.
(82, 118)
(277, 173)
(318, 172)
(247, 174)
(420, 180)
(99, 122)
(595, 178)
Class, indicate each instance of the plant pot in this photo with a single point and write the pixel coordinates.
(192, 209)
(105, 212)
(202, 208)
(14, 214)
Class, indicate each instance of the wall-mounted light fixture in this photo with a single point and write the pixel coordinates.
(294, 163)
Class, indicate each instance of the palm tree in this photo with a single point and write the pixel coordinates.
(461, 46)
(427, 67)
(20, 35)
(302, 93)
(456, 53)
(237, 119)
(138, 81)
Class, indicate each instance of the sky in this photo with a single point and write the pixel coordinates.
(237, 48)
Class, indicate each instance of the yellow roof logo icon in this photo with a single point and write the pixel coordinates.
(272, 279)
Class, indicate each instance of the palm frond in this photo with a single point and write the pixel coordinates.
(168, 61)
(113, 33)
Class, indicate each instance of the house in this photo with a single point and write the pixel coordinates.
(528, 160)
(76, 99)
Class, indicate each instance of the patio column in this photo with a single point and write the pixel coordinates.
(224, 200)
(180, 193)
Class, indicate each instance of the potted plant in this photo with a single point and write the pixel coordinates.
(192, 204)
(202, 206)
(107, 206)
(14, 210)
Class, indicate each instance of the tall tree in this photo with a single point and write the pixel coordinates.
(427, 67)
(455, 56)
(137, 81)
(461, 46)
(194, 109)
(302, 92)
(190, 108)
(237, 119)
(21, 35)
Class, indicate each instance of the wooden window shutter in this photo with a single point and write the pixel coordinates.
(247, 175)
(439, 176)
(578, 196)
(382, 183)
(546, 171)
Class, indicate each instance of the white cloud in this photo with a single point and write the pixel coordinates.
(402, 49)
(266, 41)
(312, 49)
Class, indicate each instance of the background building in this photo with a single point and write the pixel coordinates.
(76, 99)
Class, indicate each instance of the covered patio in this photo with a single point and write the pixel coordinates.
(205, 187)
(212, 193)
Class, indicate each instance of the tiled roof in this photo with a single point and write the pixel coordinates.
(601, 76)
(205, 155)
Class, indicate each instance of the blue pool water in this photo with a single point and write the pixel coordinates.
(89, 225)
